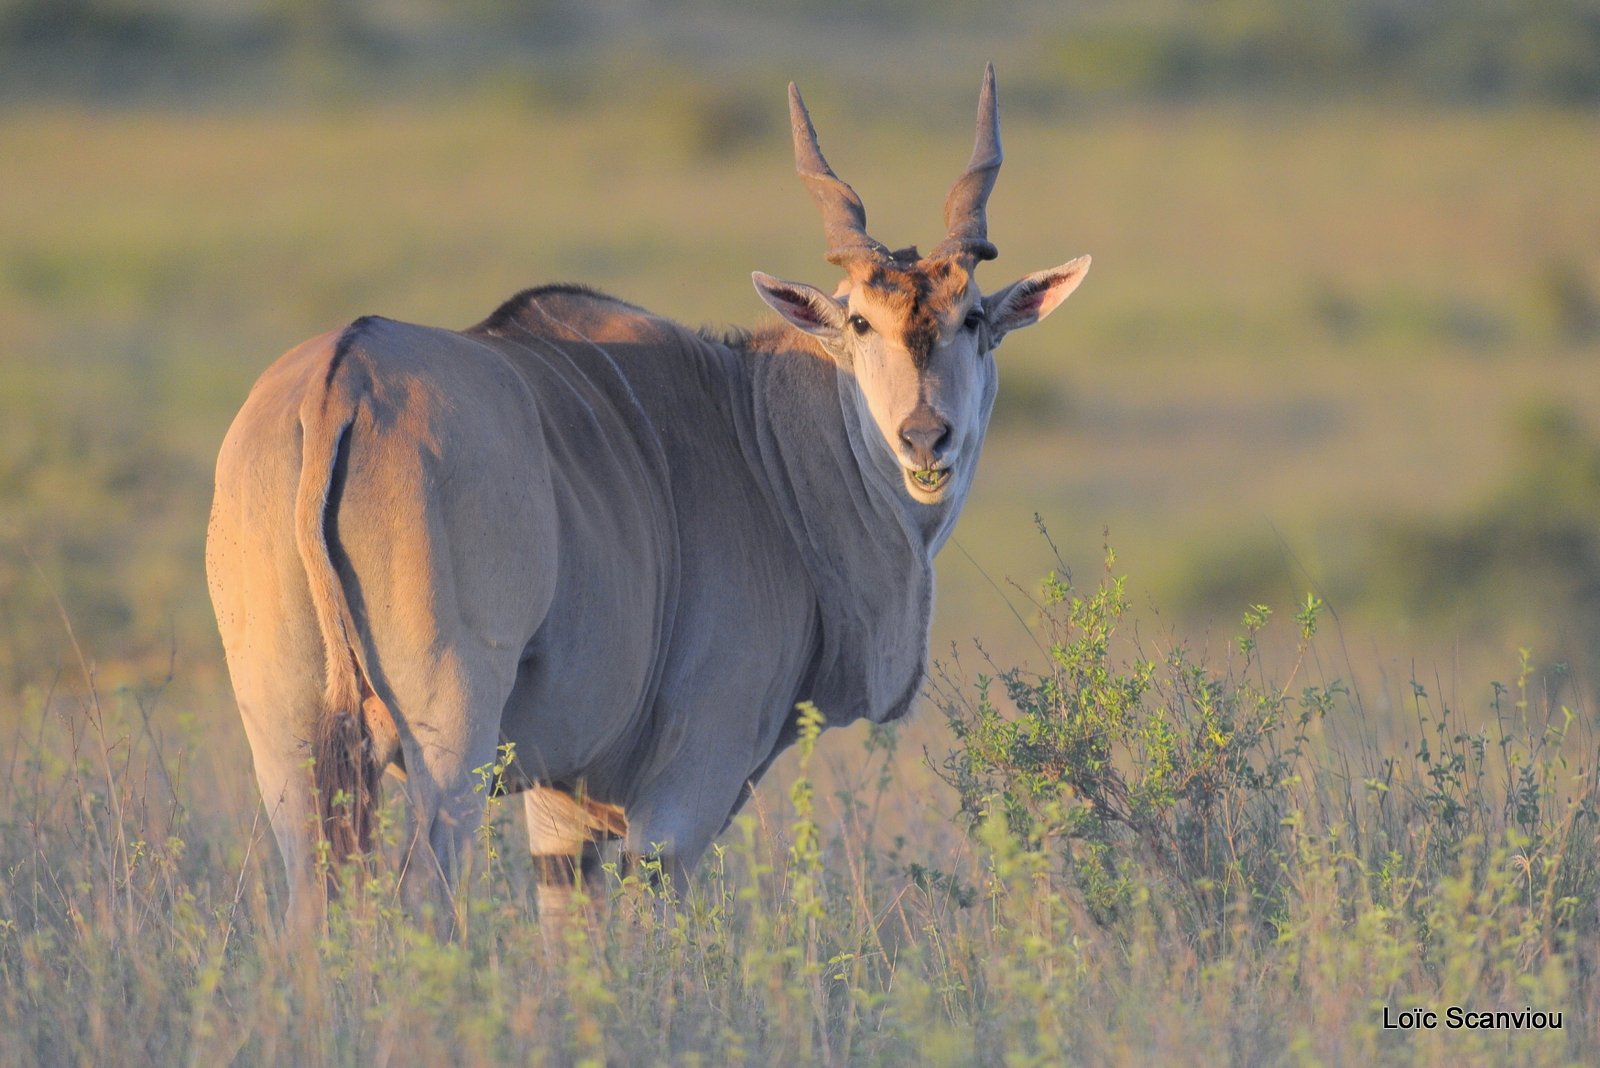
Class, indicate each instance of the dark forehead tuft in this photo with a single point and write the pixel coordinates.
(918, 282)
(919, 294)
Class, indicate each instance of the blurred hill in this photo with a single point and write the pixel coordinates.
(1480, 51)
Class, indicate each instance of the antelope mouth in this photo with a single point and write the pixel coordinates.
(928, 481)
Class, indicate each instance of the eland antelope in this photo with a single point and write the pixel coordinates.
(625, 547)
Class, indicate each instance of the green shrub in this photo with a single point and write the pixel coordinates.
(1145, 766)
(1205, 796)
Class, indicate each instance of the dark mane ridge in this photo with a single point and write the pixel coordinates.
(511, 310)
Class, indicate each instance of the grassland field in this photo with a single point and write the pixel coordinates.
(1302, 323)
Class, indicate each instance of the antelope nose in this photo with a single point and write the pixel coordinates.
(926, 436)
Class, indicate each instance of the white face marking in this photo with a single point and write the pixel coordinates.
(921, 377)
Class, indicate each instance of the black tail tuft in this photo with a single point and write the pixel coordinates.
(346, 788)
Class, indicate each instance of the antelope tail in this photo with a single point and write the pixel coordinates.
(346, 769)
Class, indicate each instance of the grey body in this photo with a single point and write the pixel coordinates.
(622, 546)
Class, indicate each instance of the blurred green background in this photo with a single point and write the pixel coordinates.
(1342, 333)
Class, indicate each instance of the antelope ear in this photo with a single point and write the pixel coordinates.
(803, 307)
(1030, 299)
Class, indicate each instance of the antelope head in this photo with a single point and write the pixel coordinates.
(914, 334)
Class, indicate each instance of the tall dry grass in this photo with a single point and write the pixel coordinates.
(1266, 889)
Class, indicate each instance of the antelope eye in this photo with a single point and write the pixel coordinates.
(973, 320)
(859, 325)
